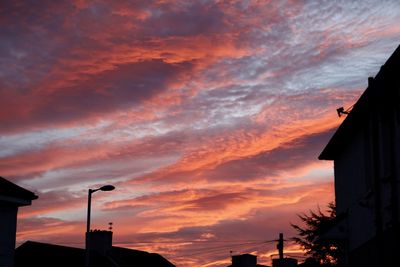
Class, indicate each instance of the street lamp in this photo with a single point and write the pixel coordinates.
(90, 192)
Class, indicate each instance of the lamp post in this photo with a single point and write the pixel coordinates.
(90, 192)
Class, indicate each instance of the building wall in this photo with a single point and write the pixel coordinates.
(390, 164)
(244, 260)
(349, 168)
(286, 262)
(367, 174)
(352, 187)
(8, 227)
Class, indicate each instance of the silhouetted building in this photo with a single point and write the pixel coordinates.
(11, 198)
(102, 254)
(100, 241)
(245, 260)
(285, 262)
(309, 262)
(366, 154)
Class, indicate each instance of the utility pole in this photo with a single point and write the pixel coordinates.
(280, 246)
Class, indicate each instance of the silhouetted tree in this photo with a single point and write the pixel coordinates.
(326, 252)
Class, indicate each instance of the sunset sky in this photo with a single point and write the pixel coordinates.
(207, 116)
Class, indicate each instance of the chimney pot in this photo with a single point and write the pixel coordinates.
(100, 241)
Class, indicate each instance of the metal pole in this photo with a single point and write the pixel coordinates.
(90, 191)
(87, 259)
(280, 247)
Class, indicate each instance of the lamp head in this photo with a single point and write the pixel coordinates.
(107, 188)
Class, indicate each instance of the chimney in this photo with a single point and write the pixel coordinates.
(100, 241)
(244, 260)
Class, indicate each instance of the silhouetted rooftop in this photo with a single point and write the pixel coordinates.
(257, 265)
(381, 95)
(12, 192)
(35, 254)
(245, 260)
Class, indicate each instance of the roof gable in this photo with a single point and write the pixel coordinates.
(381, 95)
(13, 193)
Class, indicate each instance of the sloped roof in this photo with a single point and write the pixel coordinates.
(381, 95)
(33, 253)
(126, 257)
(42, 254)
(12, 192)
(244, 259)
